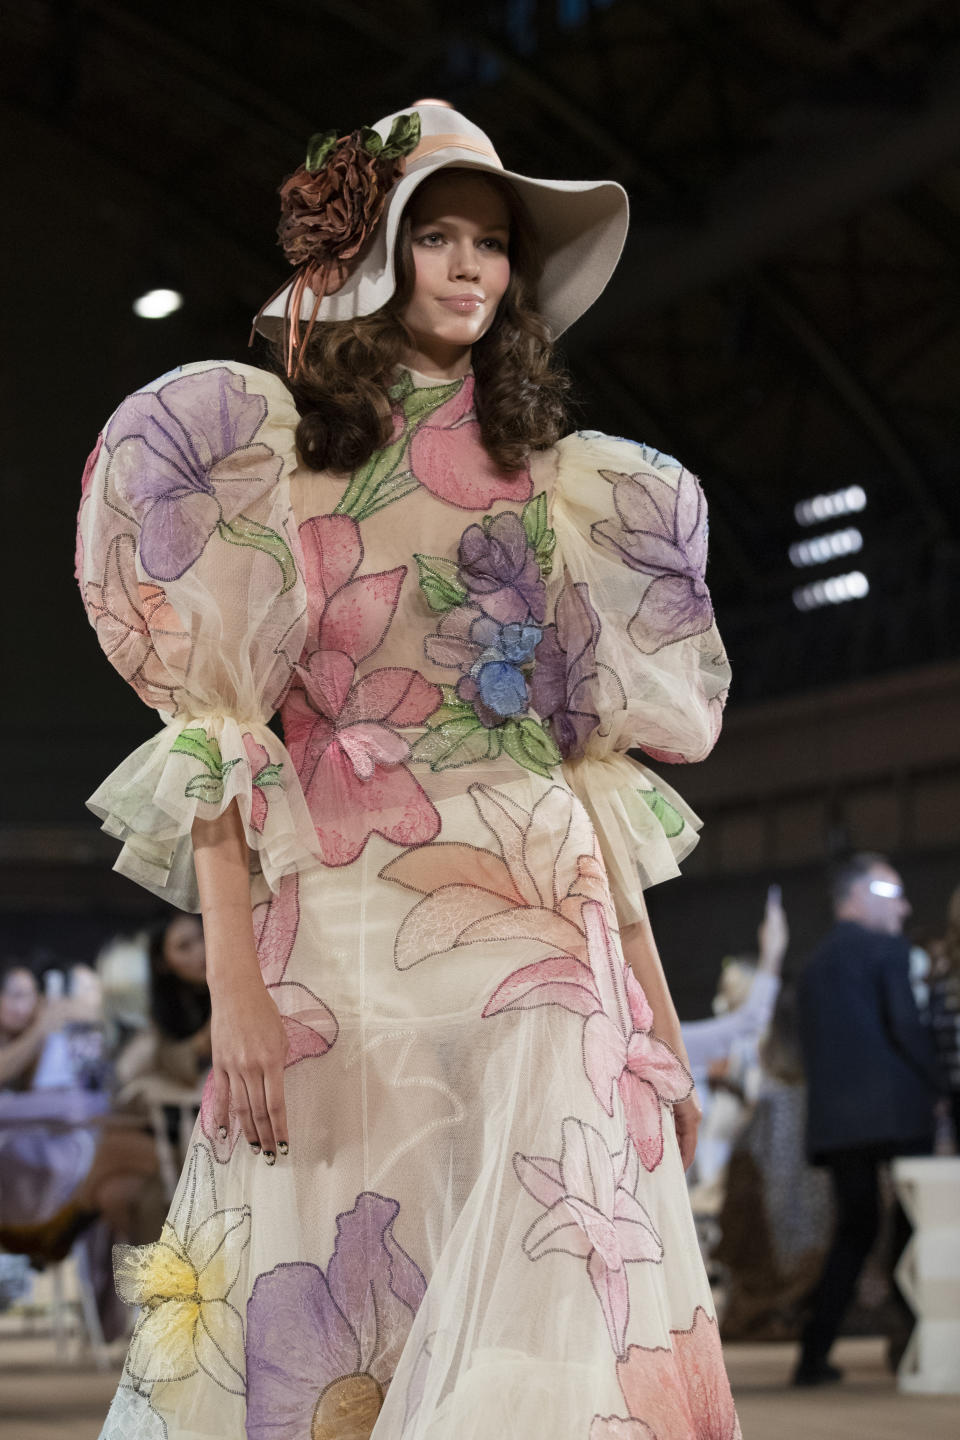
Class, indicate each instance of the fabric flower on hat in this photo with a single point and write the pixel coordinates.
(331, 205)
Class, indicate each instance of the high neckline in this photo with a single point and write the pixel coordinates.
(424, 382)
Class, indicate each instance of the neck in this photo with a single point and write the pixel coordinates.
(439, 361)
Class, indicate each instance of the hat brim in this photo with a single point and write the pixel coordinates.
(581, 227)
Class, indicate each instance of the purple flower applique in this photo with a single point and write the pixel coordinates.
(184, 459)
(499, 570)
(566, 675)
(322, 1349)
(661, 530)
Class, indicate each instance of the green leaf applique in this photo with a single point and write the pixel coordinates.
(244, 531)
(439, 582)
(668, 815)
(404, 136)
(205, 748)
(540, 537)
(319, 149)
(527, 742)
(269, 775)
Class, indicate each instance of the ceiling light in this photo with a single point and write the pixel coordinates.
(826, 547)
(827, 507)
(832, 591)
(157, 304)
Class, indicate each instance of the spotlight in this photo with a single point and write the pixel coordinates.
(825, 507)
(157, 304)
(826, 547)
(832, 591)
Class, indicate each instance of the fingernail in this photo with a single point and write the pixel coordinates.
(269, 1156)
(254, 1146)
(222, 1132)
(283, 1147)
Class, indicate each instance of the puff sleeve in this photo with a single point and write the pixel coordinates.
(639, 661)
(190, 570)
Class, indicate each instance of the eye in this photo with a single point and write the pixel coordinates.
(430, 237)
(492, 243)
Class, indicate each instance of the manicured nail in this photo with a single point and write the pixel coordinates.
(254, 1146)
(222, 1132)
(269, 1156)
(283, 1147)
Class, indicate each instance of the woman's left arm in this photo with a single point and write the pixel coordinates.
(641, 954)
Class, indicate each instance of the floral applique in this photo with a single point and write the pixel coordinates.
(343, 733)
(566, 678)
(131, 1413)
(593, 1214)
(661, 530)
(435, 444)
(534, 888)
(182, 1284)
(209, 786)
(310, 1027)
(619, 1047)
(322, 1349)
(675, 1393)
(263, 775)
(493, 602)
(126, 615)
(185, 460)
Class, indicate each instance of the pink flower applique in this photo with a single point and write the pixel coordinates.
(534, 888)
(448, 457)
(661, 530)
(263, 775)
(680, 1393)
(311, 1027)
(591, 1213)
(619, 1047)
(127, 615)
(343, 732)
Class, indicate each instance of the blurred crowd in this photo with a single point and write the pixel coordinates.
(98, 1066)
(810, 1085)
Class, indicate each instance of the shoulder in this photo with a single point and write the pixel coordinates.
(226, 393)
(592, 450)
(595, 470)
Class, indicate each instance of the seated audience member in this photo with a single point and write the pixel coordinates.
(723, 1050)
(872, 1084)
(777, 1209)
(176, 1043)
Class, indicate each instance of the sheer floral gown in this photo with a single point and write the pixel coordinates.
(481, 1231)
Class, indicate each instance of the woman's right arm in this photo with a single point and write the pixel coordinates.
(248, 1039)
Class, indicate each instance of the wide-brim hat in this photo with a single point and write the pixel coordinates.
(580, 225)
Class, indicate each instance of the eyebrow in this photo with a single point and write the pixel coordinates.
(447, 220)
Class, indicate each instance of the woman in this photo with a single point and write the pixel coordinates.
(477, 1225)
(176, 1045)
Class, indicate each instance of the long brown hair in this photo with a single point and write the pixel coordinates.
(349, 366)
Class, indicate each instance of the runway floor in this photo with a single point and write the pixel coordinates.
(40, 1400)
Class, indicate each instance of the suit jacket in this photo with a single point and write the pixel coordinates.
(870, 1060)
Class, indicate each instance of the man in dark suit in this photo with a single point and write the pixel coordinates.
(871, 1081)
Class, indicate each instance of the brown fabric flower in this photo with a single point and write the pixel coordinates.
(327, 217)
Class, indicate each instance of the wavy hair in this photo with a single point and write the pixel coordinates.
(349, 366)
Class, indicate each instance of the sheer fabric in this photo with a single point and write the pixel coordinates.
(482, 1227)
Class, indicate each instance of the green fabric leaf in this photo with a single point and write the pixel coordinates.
(544, 552)
(269, 775)
(370, 141)
(205, 787)
(244, 531)
(439, 583)
(534, 517)
(528, 743)
(404, 136)
(419, 402)
(668, 815)
(366, 482)
(393, 489)
(319, 149)
(202, 747)
(456, 742)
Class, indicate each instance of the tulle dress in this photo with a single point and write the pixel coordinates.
(481, 1230)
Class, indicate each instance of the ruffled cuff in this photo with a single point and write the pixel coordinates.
(196, 767)
(644, 827)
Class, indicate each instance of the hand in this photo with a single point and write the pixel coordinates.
(249, 1052)
(773, 936)
(687, 1115)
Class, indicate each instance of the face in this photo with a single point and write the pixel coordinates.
(183, 949)
(18, 1001)
(460, 233)
(877, 901)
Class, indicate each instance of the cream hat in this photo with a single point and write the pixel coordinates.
(581, 226)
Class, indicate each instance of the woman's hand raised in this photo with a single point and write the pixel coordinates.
(249, 1053)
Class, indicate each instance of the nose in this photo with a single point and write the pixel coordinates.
(463, 261)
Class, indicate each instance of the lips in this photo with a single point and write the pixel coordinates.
(463, 304)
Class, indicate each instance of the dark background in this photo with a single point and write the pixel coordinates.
(785, 319)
